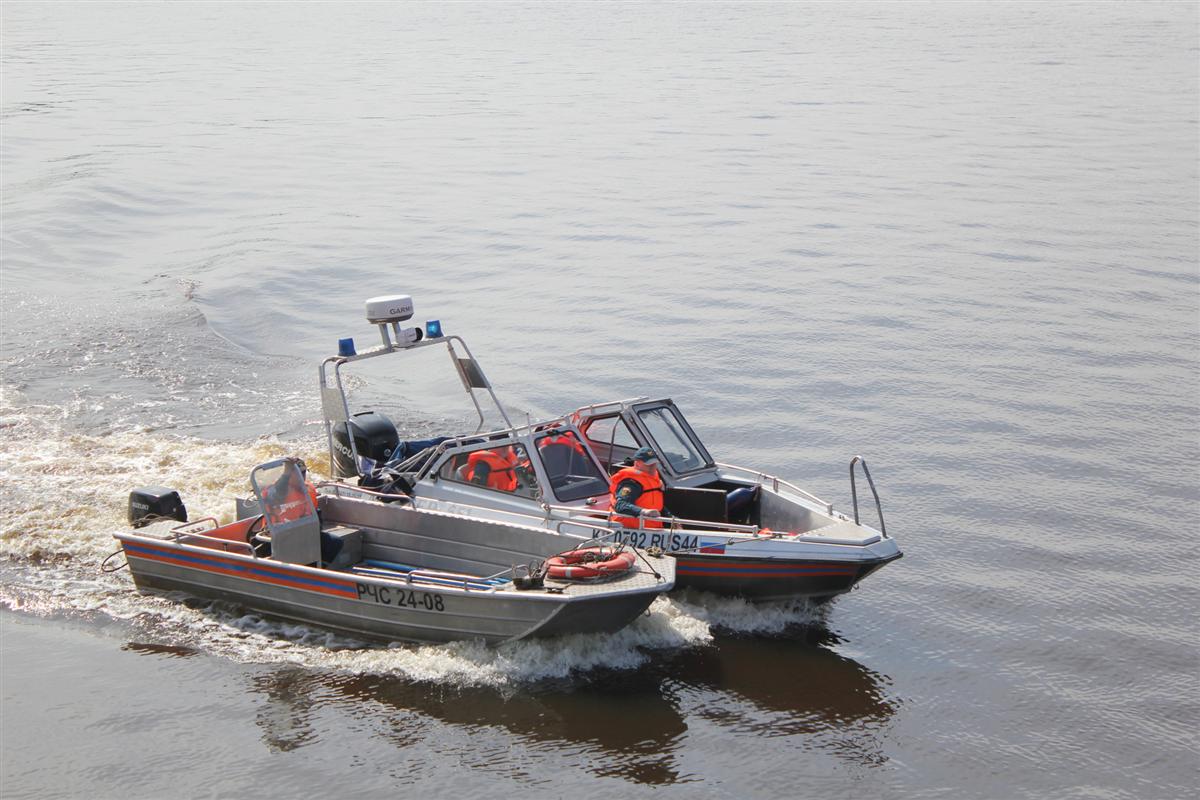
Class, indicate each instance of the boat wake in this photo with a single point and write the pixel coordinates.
(732, 616)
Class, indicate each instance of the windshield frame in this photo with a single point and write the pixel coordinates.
(682, 427)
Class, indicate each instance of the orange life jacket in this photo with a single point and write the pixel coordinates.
(503, 474)
(651, 496)
(561, 439)
(292, 505)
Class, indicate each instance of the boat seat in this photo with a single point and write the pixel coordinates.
(341, 547)
(292, 519)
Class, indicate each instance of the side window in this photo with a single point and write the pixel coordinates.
(609, 430)
(610, 439)
(455, 468)
(503, 468)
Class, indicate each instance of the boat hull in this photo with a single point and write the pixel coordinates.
(371, 609)
(766, 579)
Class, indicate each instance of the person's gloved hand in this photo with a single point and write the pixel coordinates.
(649, 512)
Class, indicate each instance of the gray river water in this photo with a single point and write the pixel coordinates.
(959, 239)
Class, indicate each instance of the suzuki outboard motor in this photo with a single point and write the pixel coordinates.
(375, 438)
(151, 503)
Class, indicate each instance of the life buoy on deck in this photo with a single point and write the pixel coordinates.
(590, 562)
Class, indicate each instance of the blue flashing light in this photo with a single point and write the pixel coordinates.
(433, 329)
(346, 347)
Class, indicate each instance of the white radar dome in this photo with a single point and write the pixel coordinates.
(389, 308)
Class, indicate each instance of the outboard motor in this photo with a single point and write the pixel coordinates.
(375, 438)
(151, 503)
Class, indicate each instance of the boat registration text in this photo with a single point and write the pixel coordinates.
(665, 540)
(405, 598)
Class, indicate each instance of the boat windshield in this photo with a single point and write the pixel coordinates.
(572, 473)
(674, 439)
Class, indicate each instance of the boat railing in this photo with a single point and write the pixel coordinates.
(673, 523)
(465, 582)
(345, 490)
(776, 483)
(497, 516)
(596, 526)
(190, 531)
(871, 483)
(618, 405)
(195, 526)
(598, 523)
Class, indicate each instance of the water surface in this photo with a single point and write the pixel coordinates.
(959, 239)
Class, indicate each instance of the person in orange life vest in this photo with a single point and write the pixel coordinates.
(495, 469)
(286, 497)
(637, 492)
(565, 438)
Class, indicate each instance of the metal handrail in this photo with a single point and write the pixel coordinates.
(776, 482)
(619, 404)
(216, 540)
(673, 522)
(575, 516)
(338, 486)
(432, 576)
(187, 526)
(481, 512)
(871, 483)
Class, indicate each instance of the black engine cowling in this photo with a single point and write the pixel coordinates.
(375, 438)
(150, 503)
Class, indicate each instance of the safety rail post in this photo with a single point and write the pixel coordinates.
(871, 483)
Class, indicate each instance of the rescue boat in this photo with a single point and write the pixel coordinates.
(377, 569)
(734, 530)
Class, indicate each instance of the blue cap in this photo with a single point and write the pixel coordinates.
(645, 454)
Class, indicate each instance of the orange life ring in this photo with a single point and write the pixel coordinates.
(590, 562)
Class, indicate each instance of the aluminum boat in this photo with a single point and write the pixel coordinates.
(734, 530)
(378, 569)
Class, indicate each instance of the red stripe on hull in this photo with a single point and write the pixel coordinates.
(760, 569)
(767, 575)
(299, 582)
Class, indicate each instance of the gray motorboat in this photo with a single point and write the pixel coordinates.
(733, 530)
(379, 569)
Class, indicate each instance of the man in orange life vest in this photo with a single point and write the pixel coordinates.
(637, 492)
(495, 469)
